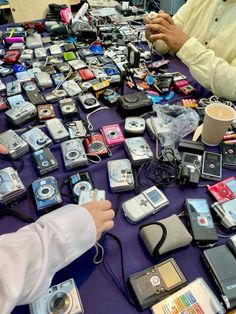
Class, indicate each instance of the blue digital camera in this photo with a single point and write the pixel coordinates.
(46, 194)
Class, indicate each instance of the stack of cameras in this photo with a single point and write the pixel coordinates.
(62, 298)
(46, 194)
(11, 187)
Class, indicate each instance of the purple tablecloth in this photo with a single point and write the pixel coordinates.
(98, 293)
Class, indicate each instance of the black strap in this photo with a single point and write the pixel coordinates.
(155, 253)
(15, 213)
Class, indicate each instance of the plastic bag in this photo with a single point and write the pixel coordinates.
(174, 122)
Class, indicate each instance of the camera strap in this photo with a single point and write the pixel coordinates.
(16, 213)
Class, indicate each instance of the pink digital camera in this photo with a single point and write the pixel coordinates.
(113, 134)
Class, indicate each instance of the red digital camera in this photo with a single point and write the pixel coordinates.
(86, 74)
(38, 26)
(11, 56)
(224, 190)
(95, 145)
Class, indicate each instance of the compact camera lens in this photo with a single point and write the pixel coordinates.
(60, 303)
(90, 101)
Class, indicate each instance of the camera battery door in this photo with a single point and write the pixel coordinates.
(134, 104)
(57, 130)
(138, 150)
(44, 161)
(65, 293)
(11, 188)
(211, 166)
(15, 144)
(74, 155)
(221, 263)
(46, 194)
(200, 221)
(155, 283)
(80, 182)
(120, 175)
(144, 205)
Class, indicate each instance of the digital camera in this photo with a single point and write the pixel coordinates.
(40, 53)
(95, 145)
(26, 55)
(55, 95)
(45, 112)
(72, 88)
(43, 80)
(13, 88)
(134, 125)
(80, 182)
(68, 107)
(89, 101)
(36, 98)
(11, 186)
(15, 101)
(34, 41)
(57, 130)
(86, 86)
(46, 194)
(120, 175)
(110, 97)
(58, 78)
(112, 134)
(224, 190)
(73, 154)
(63, 298)
(21, 114)
(138, 150)
(44, 160)
(36, 139)
(16, 146)
(76, 129)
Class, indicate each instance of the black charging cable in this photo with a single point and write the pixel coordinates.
(16, 213)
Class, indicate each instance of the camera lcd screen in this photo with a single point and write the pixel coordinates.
(169, 274)
(199, 206)
(231, 185)
(153, 196)
(190, 158)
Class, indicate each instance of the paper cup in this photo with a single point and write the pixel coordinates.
(217, 120)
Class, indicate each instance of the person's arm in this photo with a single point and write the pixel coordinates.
(31, 256)
(212, 72)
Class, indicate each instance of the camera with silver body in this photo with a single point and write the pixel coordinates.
(11, 186)
(15, 101)
(120, 175)
(76, 129)
(73, 154)
(72, 88)
(68, 107)
(138, 150)
(16, 146)
(46, 194)
(63, 298)
(13, 88)
(21, 114)
(57, 130)
(44, 160)
(134, 125)
(36, 138)
(89, 101)
(43, 80)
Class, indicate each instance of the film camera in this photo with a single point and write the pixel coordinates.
(16, 146)
(63, 298)
(80, 182)
(73, 154)
(11, 186)
(46, 194)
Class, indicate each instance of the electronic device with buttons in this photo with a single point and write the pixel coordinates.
(95, 145)
(190, 168)
(120, 175)
(36, 139)
(138, 150)
(68, 107)
(145, 204)
(200, 221)
(76, 129)
(13, 88)
(226, 213)
(78, 182)
(73, 154)
(91, 196)
(72, 88)
(57, 130)
(224, 190)
(44, 160)
(134, 126)
(228, 152)
(15, 144)
(155, 283)
(21, 114)
(112, 134)
(211, 166)
(45, 112)
(89, 101)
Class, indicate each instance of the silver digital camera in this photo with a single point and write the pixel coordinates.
(43, 80)
(138, 150)
(76, 129)
(15, 101)
(134, 125)
(16, 146)
(34, 41)
(11, 186)
(40, 53)
(68, 107)
(72, 88)
(57, 130)
(120, 175)
(73, 154)
(21, 114)
(46, 194)
(13, 88)
(89, 101)
(44, 160)
(63, 298)
(36, 139)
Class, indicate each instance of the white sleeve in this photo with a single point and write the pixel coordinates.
(31, 256)
(210, 71)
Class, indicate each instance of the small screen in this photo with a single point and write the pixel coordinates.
(153, 196)
(231, 185)
(212, 156)
(199, 206)
(190, 158)
(169, 274)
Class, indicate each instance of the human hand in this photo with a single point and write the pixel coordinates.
(102, 215)
(164, 28)
(3, 150)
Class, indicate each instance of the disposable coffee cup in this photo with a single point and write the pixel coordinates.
(217, 120)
